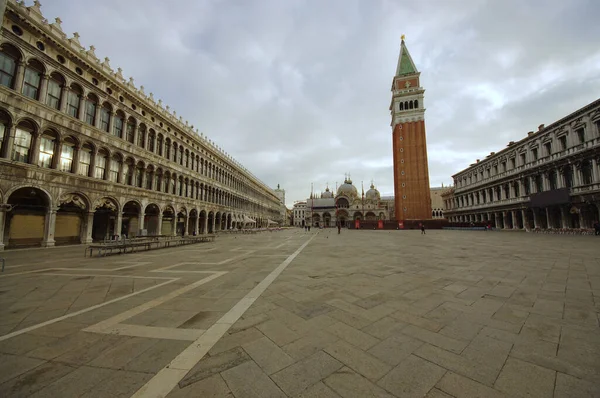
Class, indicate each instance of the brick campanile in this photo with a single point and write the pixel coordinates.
(411, 173)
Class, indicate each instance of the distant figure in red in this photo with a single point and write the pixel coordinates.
(339, 229)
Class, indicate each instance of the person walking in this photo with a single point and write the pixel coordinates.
(339, 229)
(597, 228)
(423, 229)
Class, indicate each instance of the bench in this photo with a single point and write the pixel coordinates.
(146, 243)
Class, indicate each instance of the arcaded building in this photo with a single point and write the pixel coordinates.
(548, 180)
(86, 155)
(411, 172)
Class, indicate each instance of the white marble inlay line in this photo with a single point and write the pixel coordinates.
(168, 377)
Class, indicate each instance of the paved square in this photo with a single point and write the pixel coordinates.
(295, 314)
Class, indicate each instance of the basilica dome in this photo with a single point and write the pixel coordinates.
(327, 194)
(347, 189)
(372, 194)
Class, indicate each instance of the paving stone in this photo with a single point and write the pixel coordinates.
(349, 384)
(210, 387)
(318, 390)
(524, 379)
(268, 355)
(236, 340)
(414, 377)
(35, 379)
(248, 322)
(25, 343)
(463, 387)
(296, 378)
(121, 354)
(435, 393)
(417, 321)
(436, 339)
(569, 386)
(122, 384)
(358, 360)
(157, 356)
(12, 366)
(309, 344)
(353, 336)
(248, 380)
(215, 364)
(73, 385)
(59, 347)
(278, 332)
(395, 349)
(384, 328)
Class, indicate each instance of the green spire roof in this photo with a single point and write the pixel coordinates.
(406, 66)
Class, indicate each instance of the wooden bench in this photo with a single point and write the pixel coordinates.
(146, 243)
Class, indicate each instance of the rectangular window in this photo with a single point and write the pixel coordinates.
(503, 166)
(21, 146)
(548, 148)
(31, 83)
(581, 135)
(100, 166)
(73, 104)
(495, 170)
(563, 142)
(513, 163)
(104, 119)
(534, 154)
(130, 132)
(90, 112)
(85, 158)
(66, 158)
(53, 99)
(114, 170)
(523, 159)
(46, 152)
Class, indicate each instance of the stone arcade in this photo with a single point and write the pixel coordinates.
(85, 155)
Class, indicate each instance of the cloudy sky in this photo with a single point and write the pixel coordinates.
(298, 90)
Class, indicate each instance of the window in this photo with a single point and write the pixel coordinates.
(151, 141)
(496, 170)
(4, 121)
(8, 64)
(104, 118)
(586, 172)
(552, 180)
(85, 159)
(503, 166)
(54, 93)
(31, 82)
(548, 148)
(100, 166)
(539, 185)
(73, 103)
(513, 163)
(139, 172)
(568, 176)
(563, 142)
(46, 151)
(66, 157)
(523, 159)
(159, 145)
(130, 130)
(114, 169)
(129, 175)
(141, 137)
(534, 154)
(581, 134)
(118, 126)
(90, 111)
(22, 142)
(527, 185)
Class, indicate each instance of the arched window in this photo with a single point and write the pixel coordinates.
(90, 109)
(22, 143)
(55, 86)
(151, 140)
(416, 104)
(181, 155)
(105, 117)
(85, 159)
(129, 175)
(410, 104)
(180, 186)
(130, 133)
(158, 180)
(115, 165)
(187, 158)
(9, 56)
(159, 144)
(167, 182)
(141, 141)
(401, 106)
(33, 79)
(586, 173)
(67, 155)
(168, 148)
(149, 177)
(73, 100)
(101, 160)
(405, 105)
(139, 175)
(118, 124)
(47, 143)
(173, 179)
(175, 152)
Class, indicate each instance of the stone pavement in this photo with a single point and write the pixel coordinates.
(292, 314)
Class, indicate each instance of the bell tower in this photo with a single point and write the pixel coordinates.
(411, 172)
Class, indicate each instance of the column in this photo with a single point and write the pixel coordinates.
(136, 133)
(174, 224)
(81, 115)
(88, 224)
(205, 225)
(2, 221)
(75, 165)
(564, 222)
(34, 149)
(560, 182)
(111, 123)
(576, 178)
(213, 223)
(197, 225)
(514, 219)
(595, 173)
(185, 224)
(526, 225)
(548, 223)
(92, 170)
(141, 223)
(505, 219)
(64, 98)
(9, 139)
(536, 223)
(43, 89)
(121, 175)
(19, 76)
(57, 153)
(159, 227)
(97, 116)
(49, 226)
(119, 224)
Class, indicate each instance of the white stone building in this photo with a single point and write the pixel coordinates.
(549, 179)
(299, 214)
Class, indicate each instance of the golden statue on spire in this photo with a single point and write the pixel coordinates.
(402, 37)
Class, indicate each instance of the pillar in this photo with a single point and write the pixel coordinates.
(548, 223)
(174, 224)
(205, 226)
(2, 221)
(43, 89)
(526, 225)
(213, 223)
(19, 76)
(34, 149)
(514, 219)
(88, 224)
(595, 175)
(49, 226)
(75, 165)
(81, 115)
(536, 223)
(564, 217)
(119, 224)
(505, 219)
(92, 170)
(185, 224)
(197, 224)
(160, 220)
(9, 139)
(140, 223)
(111, 123)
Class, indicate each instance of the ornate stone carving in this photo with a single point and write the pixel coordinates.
(106, 203)
(72, 198)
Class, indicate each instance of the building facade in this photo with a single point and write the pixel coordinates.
(411, 171)
(549, 179)
(299, 214)
(280, 193)
(85, 155)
